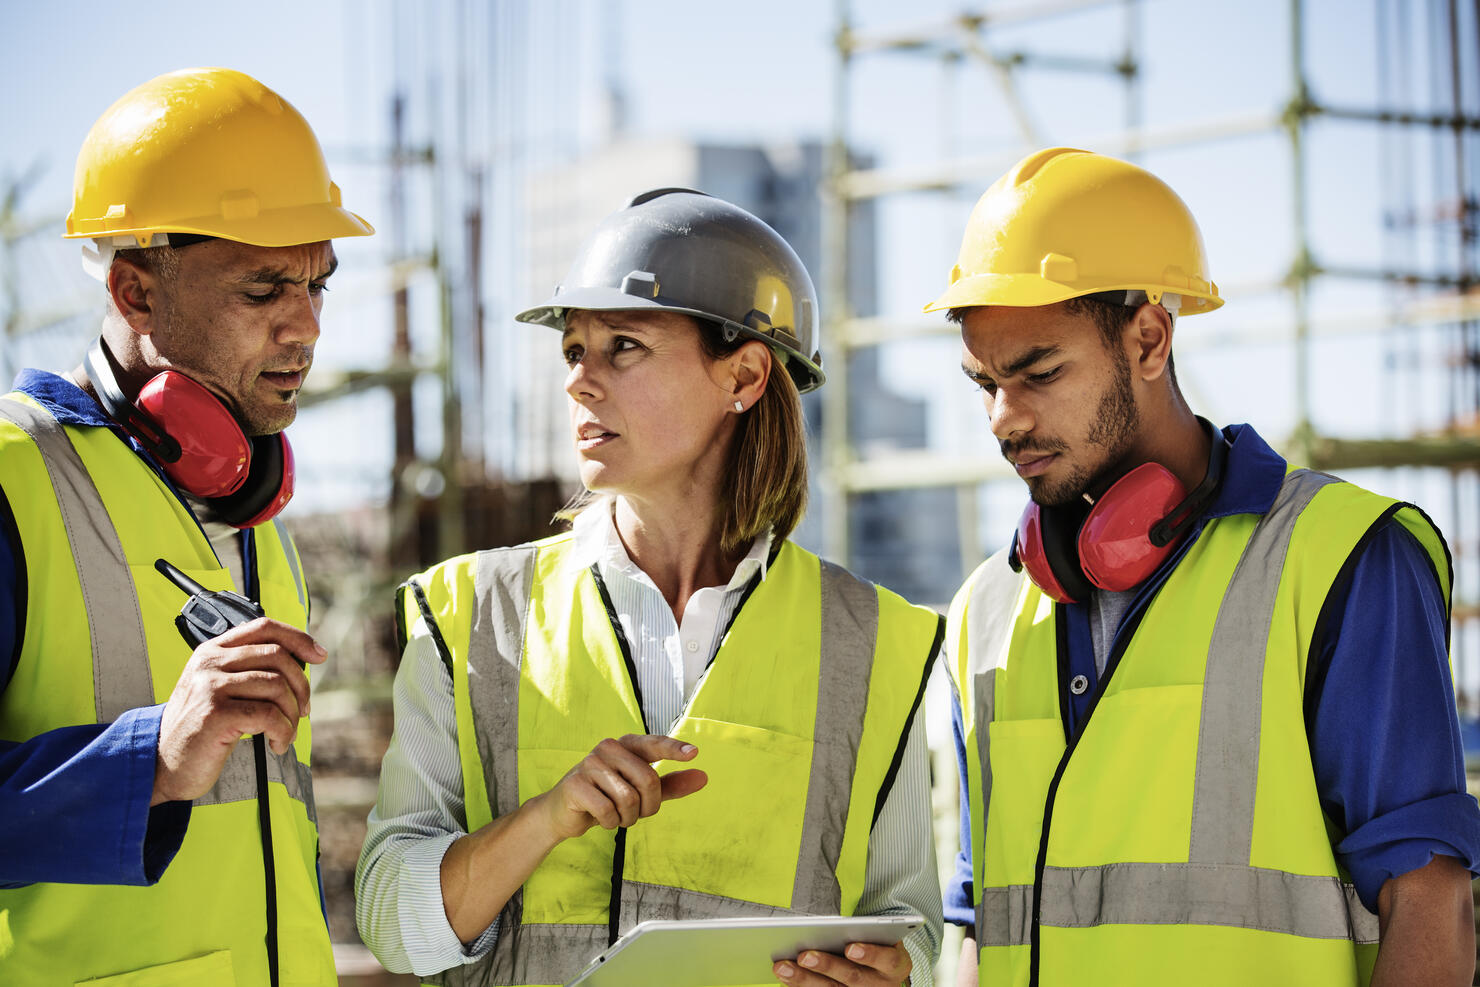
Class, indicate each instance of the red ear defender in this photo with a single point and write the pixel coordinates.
(198, 442)
(1069, 554)
(214, 452)
(268, 487)
(1030, 551)
(1071, 550)
(1116, 547)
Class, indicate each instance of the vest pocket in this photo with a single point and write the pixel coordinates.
(1127, 792)
(212, 968)
(1024, 755)
(740, 835)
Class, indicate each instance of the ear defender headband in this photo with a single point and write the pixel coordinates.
(1114, 544)
(198, 442)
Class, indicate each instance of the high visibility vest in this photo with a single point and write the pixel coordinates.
(100, 639)
(1179, 839)
(800, 720)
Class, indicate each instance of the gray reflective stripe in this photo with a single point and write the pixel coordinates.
(989, 619)
(555, 954)
(238, 779)
(1181, 894)
(1004, 916)
(643, 902)
(121, 677)
(850, 632)
(291, 555)
(1228, 740)
(531, 954)
(503, 580)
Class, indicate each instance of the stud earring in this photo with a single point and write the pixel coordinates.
(739, 406)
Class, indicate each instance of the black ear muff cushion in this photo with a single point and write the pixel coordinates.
(261, 486)
(1060, 547)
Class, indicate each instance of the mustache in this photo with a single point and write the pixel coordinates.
(297, 355)
(1035, 448)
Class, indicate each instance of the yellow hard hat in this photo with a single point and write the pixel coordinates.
(206, 151)
(1064, 223)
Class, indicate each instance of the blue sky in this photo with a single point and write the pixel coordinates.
(762, 71)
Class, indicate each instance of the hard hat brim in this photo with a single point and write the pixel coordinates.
(597, 298)
(1032, 290)
(270, 228)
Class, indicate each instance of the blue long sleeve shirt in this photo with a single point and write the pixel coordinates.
(1384, 732)
(74, 802)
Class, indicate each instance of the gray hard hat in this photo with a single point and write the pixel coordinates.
(680, 250)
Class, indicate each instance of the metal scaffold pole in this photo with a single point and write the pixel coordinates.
(836, 442)
(960, 40)
(1301, 267)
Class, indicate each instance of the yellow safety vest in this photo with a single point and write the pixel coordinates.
(100, 639)
(1180, 838)
(800, 720)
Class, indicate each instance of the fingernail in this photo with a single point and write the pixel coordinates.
(809, 959)
(320, 649)
(688, 749)
(787, 970)
(855, 952)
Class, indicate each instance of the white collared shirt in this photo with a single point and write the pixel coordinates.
(419, 811)
(670, 654)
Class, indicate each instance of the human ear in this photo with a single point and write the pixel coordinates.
(750, 368)
(1150, 336)
(133, 291)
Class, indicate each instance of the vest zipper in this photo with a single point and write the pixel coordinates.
(253, 578)
(619, 851)
(1061, 647)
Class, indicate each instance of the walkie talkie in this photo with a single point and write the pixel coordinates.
(208, 613)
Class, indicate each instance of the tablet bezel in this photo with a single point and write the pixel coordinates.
(706, 948)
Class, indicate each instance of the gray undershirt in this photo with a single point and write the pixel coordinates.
(224, 538)
(1106, 608)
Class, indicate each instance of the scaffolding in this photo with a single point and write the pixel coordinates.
(1432, 299)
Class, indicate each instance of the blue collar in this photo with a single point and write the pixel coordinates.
(68, 403)
(1251, 477)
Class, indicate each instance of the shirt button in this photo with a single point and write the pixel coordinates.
(1079, 684)
(692, 646)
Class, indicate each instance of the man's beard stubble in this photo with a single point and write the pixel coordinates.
(1115, 423)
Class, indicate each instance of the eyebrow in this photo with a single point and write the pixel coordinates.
(614, 325)
(1036, 354)
(276, 275)
(974, 376)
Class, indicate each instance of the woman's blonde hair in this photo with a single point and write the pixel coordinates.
(765, 477)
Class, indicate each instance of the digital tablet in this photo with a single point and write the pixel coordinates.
(726, 951)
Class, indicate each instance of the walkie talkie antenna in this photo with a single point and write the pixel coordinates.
(179, 578)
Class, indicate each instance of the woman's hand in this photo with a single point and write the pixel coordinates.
(862, 964)
(615, 785)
